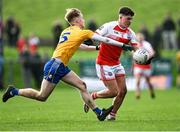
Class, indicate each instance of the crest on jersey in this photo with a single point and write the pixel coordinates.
(116, 32)
(110, 73)
(128, 36)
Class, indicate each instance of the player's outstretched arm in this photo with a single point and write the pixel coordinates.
(112, 42)
(88, 48)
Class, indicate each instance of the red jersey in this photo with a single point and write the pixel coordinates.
(20, 44)
(109, 54)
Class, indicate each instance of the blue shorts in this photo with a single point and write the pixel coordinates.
(54, 70)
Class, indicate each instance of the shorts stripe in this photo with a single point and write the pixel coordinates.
(120, 75)
(55, 71)
(102, 73)
(54, 65)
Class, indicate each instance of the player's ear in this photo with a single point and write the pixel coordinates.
(78, 20)
(120, 16)
(75, 20)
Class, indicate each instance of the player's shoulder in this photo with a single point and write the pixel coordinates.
(130, 30)
(68, 29)
(111, 23)
(77, 31)
(146, 42)
(86, 31)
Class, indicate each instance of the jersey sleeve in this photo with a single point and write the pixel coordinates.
(148, 47)
(87, 34)
(133, 40)
(103, 30)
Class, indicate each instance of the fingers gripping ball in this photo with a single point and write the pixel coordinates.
(141, 56)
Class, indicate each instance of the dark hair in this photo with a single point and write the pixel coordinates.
(126, 11)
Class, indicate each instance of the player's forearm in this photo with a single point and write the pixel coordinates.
(152, 52)
(87, 48)
(107, 40)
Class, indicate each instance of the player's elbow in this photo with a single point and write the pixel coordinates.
(107, 40)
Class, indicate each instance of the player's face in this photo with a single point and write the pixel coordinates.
(81, 22)
(125, 21)
(140, 37)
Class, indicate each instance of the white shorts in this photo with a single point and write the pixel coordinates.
(105, 72)
(142, 72)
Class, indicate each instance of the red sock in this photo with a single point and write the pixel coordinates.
(94, 95)
(113, 114)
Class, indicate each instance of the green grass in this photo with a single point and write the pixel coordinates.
(63, 111)
(39, 15)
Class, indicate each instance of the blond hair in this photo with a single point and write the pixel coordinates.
(72, 13)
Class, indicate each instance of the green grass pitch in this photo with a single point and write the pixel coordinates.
(63, 112)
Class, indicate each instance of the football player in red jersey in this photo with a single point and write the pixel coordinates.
(143, 70)
(108, 66)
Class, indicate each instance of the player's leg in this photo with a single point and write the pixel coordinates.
(138, 72)
(173, 40)
(42, 95)
(110, 92)
(118, 100)
(106, 74)
(151, 89)
(116, 86)
(121, 90)
(165, 38)
(147, 75)
(51, 78)
(138, 89)
(112, 87)
(72, 79)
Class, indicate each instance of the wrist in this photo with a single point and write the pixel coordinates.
(122, 45)
(97, 47)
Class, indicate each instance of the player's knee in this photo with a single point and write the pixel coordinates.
(83, 87)
(42, 98)
(84, 84)
(114, 93)
(123, 92)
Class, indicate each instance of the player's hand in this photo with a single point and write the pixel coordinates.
(127, 47)
(97, 47)
(149, 61)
